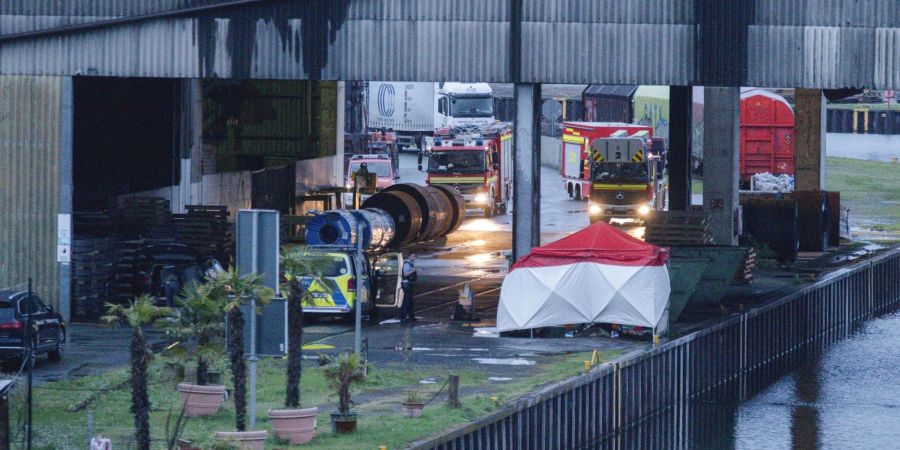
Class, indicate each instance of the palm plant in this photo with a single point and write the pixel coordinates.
(345, 371)
(196, 323)
(298, 265)
(139, 312)
(232, 289)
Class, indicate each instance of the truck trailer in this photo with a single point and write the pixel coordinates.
(414, 110)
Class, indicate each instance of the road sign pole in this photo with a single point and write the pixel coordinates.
(357, 335)
(253, 357)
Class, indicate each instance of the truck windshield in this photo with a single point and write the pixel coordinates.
(457, 161)
(619, 172)
(472, 106)
(380, 169)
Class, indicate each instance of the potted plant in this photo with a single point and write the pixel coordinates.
(138, 313)
(195, 325)
(293, 424)
(342, 373)
(232, 289)
(413, 405)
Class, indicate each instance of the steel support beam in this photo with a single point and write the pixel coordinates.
(679, 158)
(809, 140)
(66, 143)
(721, 160)
(526, 169)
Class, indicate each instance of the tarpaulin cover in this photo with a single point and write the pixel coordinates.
(599, 274)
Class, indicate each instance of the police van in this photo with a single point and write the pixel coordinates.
(342, 271)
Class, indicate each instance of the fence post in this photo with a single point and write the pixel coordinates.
(453, 391)
(4, 421)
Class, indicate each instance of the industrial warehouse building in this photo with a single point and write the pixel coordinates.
(208, 102)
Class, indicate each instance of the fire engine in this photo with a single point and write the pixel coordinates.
(627, 178)
(477, 162)
(576, 147)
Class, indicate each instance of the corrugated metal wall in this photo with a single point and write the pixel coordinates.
(775, 43)
(30, 121)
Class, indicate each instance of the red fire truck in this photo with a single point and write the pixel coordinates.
(627, 178)
(477, 162)
(576, 148)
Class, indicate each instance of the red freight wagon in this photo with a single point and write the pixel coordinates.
(767, 134)
(576, 146)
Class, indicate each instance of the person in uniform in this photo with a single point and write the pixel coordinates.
(407, 312)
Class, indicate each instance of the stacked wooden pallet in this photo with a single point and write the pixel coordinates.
(93, 223)
(126, 268)
(139, 212)
(92, 275)
(206, 229)
(744, 274)
(678, 228)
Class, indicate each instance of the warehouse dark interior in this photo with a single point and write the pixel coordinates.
(124, 138)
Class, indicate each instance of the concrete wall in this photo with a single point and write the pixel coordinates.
(873, 147)
(231, 189)
(550, 152)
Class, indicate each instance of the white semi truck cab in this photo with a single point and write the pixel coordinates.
(463, 105)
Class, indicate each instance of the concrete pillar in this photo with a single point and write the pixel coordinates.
(526, 169)
(721, 160)
(679, 159)
(66, 184)
(809, 140)
(190, 145)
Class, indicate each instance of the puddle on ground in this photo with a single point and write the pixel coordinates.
(423, 349)
(500, 378)
(478, 349)
(389, 321)
(487, 332)
(504, 361)
(428, 381)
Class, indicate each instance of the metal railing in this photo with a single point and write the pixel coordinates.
(655, 398)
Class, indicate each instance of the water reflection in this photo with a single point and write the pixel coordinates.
(848, 398)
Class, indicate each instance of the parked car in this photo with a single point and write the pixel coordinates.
(48, 328)
(165, 268)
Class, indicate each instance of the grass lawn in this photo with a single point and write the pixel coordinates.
(379, 397)
(871, 189)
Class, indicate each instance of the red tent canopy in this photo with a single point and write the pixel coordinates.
(600, 243)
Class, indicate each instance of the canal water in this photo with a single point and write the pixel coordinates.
(849, 398)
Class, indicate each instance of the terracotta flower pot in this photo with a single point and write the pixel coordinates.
(343, 423)
(296, 426)
(413, 409)
(245, 440)
(201, 400)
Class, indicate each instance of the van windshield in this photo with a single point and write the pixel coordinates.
(456, 161)
(380, 169)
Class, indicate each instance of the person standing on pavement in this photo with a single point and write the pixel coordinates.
(409, 274)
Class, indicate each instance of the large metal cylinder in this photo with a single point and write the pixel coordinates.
(379, 230)
(434, 216)
(340, 227)
(446, 206)
(458, 203)
(405, 212)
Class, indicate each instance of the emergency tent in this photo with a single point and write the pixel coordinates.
(599, 274)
